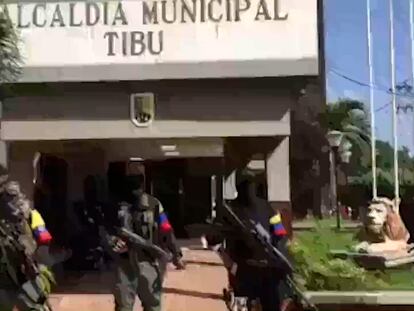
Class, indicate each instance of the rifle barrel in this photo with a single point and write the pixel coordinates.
(141, 242)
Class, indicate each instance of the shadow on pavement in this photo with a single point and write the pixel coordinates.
(204, 263)
(184, 292)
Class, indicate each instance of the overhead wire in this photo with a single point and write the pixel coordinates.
(375, 86)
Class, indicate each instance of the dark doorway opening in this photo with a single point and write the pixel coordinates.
(116, 180)
(165, 182)
(184, 193)
(50, 194)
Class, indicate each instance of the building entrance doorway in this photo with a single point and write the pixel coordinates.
(165, 182)
(50, 194)
(184, 193)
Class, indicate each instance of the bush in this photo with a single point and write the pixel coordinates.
(318, 270)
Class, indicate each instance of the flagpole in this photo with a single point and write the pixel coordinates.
(371, 103)
(394, 104)
(412, 39)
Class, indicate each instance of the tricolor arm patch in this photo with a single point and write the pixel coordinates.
(276, 226)
(164, 223)
(39, 229)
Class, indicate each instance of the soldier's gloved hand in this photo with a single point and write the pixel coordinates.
(179, 264)
(119, 246)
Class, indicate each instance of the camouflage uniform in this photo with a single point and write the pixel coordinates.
(17, 215)
(138, 272)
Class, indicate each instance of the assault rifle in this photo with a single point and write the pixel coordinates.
(258, 236)
(135, 240)
(28, 279)
(140, 242)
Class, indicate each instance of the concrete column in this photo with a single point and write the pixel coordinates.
(278, 182)
(4, 161)
(20, 164)
(229, 186)
(3, 145)
(220, 189)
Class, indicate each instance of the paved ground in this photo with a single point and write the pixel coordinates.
(199, 288)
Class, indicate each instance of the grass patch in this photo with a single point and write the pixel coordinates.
(326, 222)
(400, 279)
(318, 270)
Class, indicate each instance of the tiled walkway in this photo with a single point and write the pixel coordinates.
(199, 288)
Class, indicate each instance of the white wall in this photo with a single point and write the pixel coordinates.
(252, 38)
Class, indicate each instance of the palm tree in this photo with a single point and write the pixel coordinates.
(310, 162)
(348, 117)
(10, 66)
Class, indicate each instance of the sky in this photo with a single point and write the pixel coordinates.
(347, 59)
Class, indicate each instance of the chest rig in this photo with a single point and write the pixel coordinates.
(141, 217)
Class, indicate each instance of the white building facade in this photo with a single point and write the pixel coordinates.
(209, 84)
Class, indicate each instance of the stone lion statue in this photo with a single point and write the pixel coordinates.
(383, 231)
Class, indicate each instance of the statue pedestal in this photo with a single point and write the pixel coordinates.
(376, 261)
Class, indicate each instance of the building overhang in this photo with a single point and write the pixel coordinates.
(123, 129)
(160, 71)
(126, 149)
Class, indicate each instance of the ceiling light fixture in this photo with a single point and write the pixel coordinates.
(136, 159)
(171, 153)
(167, 148)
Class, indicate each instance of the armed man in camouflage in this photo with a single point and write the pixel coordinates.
(139, 271)
(256, 282)
(254, 277)
(24, 284)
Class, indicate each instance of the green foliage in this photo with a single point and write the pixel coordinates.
(385, 180)
(343, 112)
(318, 270)
(10, 66)
(348, 116)
(385, 172)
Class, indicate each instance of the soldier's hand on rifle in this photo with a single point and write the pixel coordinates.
(119, 246)
(179, 264)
